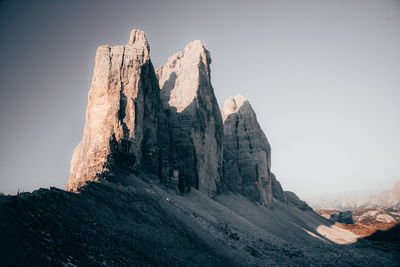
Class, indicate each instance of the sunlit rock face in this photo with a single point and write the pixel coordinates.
(247, 154)
(125, 125)
(194, 117)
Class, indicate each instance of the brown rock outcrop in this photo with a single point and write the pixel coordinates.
(125, 125)
(247, 154)
(194, 117)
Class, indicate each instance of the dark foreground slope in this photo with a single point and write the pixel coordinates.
(105, 224)
(143, 223)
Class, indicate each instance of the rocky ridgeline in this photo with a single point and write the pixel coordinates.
(385, 199)
(167, 122)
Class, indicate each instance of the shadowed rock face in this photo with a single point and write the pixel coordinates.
(125, 125)
(194, 117)
(247, 154)
(293, 199)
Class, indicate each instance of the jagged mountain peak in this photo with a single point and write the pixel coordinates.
(124, 121)
(184, 72)
(194, 53)
(194, 116)
(197, 47)
(247, 154)
(138, 39)
(233, 104)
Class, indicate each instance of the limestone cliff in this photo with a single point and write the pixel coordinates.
(125, 125)
(194, 117)
(167, 122)
(247, 154)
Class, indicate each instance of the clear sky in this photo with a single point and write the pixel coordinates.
(323, 77)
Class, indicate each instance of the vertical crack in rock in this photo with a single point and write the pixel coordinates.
(246, 133)
(236, 119)
(122, 106)
(247, 154)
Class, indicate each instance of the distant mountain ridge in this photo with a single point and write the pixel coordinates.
(385, 199)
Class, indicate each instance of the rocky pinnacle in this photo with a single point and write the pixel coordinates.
(194, 116)
(125, 125)
(247, 153)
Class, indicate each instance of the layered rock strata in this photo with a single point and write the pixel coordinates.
(194, 117)
(247, 154)
(125, 123)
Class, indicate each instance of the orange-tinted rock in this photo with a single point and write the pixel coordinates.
(125, 125)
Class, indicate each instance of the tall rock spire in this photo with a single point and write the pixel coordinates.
(125, 125)
(194, 117)
(247, 153)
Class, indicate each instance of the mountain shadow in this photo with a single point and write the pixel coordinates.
(390, 235)
(104, 224)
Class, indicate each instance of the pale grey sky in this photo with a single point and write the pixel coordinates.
(323, 77)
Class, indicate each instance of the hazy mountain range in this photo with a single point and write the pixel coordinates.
(385, 199)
